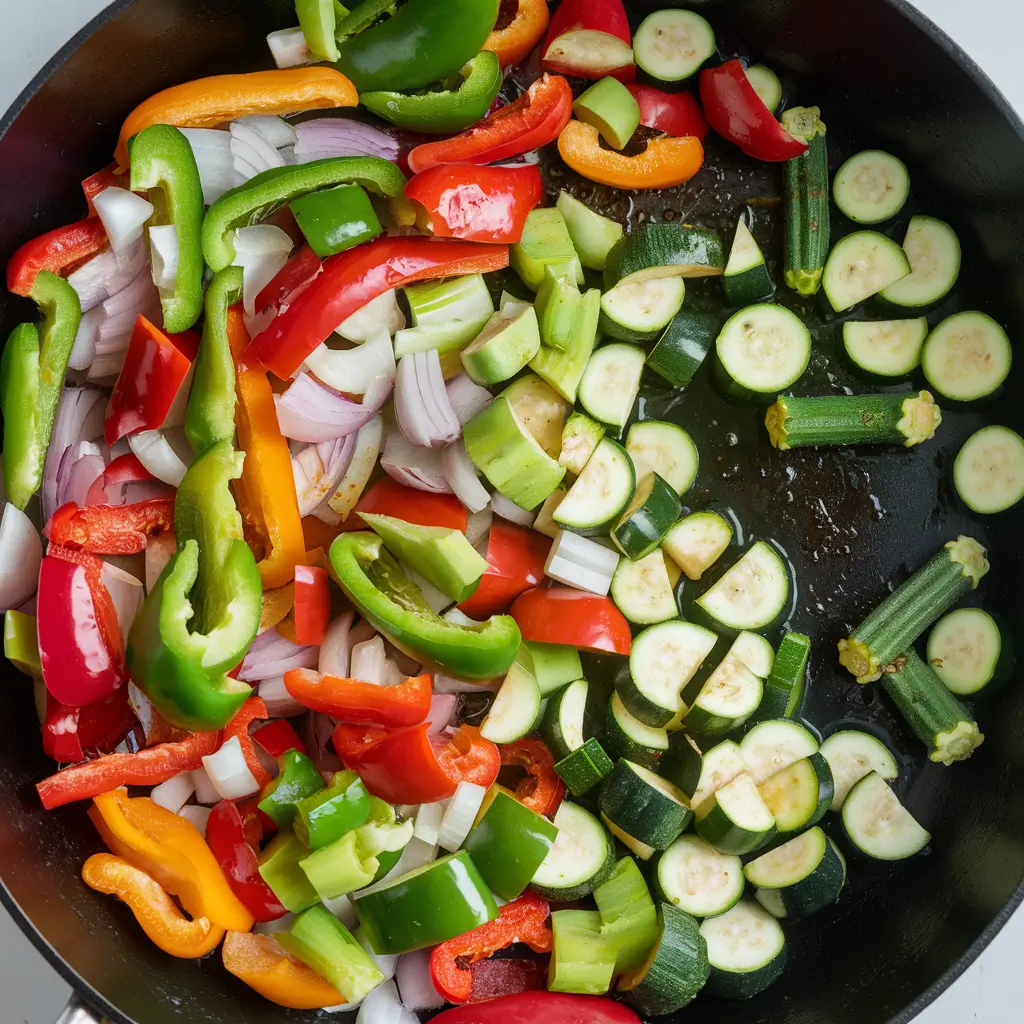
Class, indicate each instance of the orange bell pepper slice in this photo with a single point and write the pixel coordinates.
(359, 703)
(269, 505)
(170, 849)
(264, 965)
(277, 604)
(513, 39)
(155, 911)
(208, 102)
(664, 163)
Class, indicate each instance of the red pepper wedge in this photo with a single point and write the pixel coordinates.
(352, 741)
(227, 838)
(312, 604)
(295, 275)
(468, 757)
(515, 563)
(478, 204)
(70, 734)
(562, 615)
(355, 277)
(252, 710)
(125, 469)
(514, 41)
(541, 790)
(536, 1007)
(278, 737)
(591, 39)
(387, 497)
(738, 114)
(524, 920)
(111, 529)
(532, 121)
(155, 367)
(359, 703)
(111, 771)
(58, 251)
(103, 179)
(675, 113)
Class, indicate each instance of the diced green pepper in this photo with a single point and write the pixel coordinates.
(21, 644)
(280, 868)
(336, 219)
(339, 868)
(297, 779)
(329, 814)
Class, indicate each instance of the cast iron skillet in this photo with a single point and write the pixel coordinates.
(883, 76)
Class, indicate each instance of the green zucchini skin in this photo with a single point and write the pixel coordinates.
(805, 196)
(648, 517)
(815, 891)
(683, 346)
(585, 767)
(786, 685)
(641, 810)
(938, 719)
(912, 607)
(836, 420)
(728, 982)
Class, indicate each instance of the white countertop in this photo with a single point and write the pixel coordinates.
(990, 31)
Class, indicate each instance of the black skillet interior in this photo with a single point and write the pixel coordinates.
(851, 521)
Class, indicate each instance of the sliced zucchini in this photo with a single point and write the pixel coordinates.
(581, 563)
(683, 346)
(592, 235)
(966, 357)
(544, 521)
(563, 368)
(639, 311)
(630, 738)
(584, 768)
(677, 967)
(786, 683)
(541, 410)
(662, 661)
(580, 436)
(776, 744)
(545, 243)
(697, 541)
(669, 47)
(746, 279)
(728, 698)
(988, 471)
(871, 186)
(659, 248)
(762, 349)
(648, 517)
(766, 84)
(611, 382)
(562, 725)
(735, 819)
(642, 590)
(746, 951)
(708, 773)
(878, 824)
(752, 595)
(502, 348)
(628, 916)
(601, 492)
(582, 857)
(861, 265)
(799, 795)
(885, 348)
(666, 449)
(552, 665)
(755, 652)
(800, 877)
(644, 805)
(933, 250)
(698, 879)
(516, 708)
(852, 754)
(970, 651)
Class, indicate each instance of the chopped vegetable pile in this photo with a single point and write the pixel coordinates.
(335, 436)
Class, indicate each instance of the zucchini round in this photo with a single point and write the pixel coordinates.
(970, 651)
(600, 492)
(640, 310)
(666, 449)
(697, 541)
(582, 857)
(763, 349)
(746, 951)
(698, 879)
(752, 595)
(966, 357)
(988, 471)
(658, 248)
(766, 84)
(670, 46)
(648, 517)
(878, 824)
(735, 819)
(800, 877)
(933, 250)
(851, 754)
(561, 728)
(611, 381)
(871, 186)
(630, 738)
(643, 591)
(885, 348)
(861, 265)
(799, 796)
(776, 744)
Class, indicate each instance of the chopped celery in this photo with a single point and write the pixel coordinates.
(339, 868)
(630, 921)
(582, 957)
(279, 866)
(545, 242)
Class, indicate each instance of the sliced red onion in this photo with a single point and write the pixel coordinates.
(275, 130)
(477, 528)
(361, 632)
(308, 411)
(442, 708)
(415, 983)
(316, 735)
(509, 510)
(126, 592)
(80, 468)
(414, 467)
(123, 213)
(280, 703)
(272, 655)
(335, 650)
(79, 417)
(352, 370)
(342, 136)
(212, 150)
(460, 473)
(360, 469)
(132, 297)
(381, 312)
(84, 350)
(197, 815)
(164, 250)
(174, 793)
(289, 49)
(106, 274)
(424, 412)
(229, 773)
(159, 551)
(467, 398)
(319, 469)
(21, 552)
(154, 451)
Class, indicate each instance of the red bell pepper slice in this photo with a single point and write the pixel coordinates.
(286, 285)
(675, 113)
(468, 757)
(355, 277)
(541, 790)
(111, 771)
(155, 366)
(561, 615)
(359, 703)
(312, 604)
(738, 114)
(57, 251)
(532, 121)
(515, 563)
(591, 39)
(104, 179)
(523, 920)
(387, 497)
(478, 204)
(607, 16)
(278, 737)
(534, 1007)
(252, 710)
(352, 741)
(111, 529)
(70, 734)
(226, 837)
(125, 469)
(493, 979)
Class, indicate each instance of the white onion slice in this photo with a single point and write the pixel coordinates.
(415, 855)
(425, 414)
(308, 411)
(206, 792)
(246, 140)
(360, 469)
(228, 772)
(84, 350)
(280, 703)
(126, 592)
(261, 251)
(80, 468)
(506, 509)
(478, 526)
(289, 49)
(133, 297)
(21, 553)
(275, 130)
(353, 370)
(272, 655)
(442, 708)
(198, 815)
(124, 214)
(386, 963)
(369, 664)
(343, 136)
(415, 467)
(164, 250)
(381, 312)
(174, 793)
(428, 822)
(341, 907)
(91, 280)
(460, 814)
(460, 473)
(335, 650)
(159, 551)
(436, 601)
(79, 417)
(154, 451)
(415, 983)
(467, 398)
(319, 469)
(381, 1006)
(212, 150)
(581, 563)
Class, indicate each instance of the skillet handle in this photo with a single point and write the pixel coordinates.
(76, 1013)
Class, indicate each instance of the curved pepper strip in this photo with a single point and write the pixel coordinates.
(208, 102)
(349, 700)
(261, 196)
(515, 39)
(168, 847)
(111, 529)
(549, 1007)
(264, 965)
(71, 734)
(57, 251)
(107, 177)
(542, 789)
(663, 163)
(352, 279)
(523, 920)
(155, 911)
(251, 711)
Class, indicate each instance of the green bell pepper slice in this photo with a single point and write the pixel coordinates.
(326, 816)
(423, 42)
(21, 643)
(32, 371)
(210, 415)
(318, 20)
(164, 166)
(427, 906)
(279, 868)
(340, 868)
(394, 606)
(336, 219)
(263, 195)
(450, 107)
(297, 779)
(363, 16)
(383, 832)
